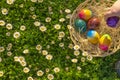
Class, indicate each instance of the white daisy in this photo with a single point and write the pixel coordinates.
(8, 34)
(26, 70)
(74, 60)
(61, 44)
(82, 59)
(89, 57)
(44, 52)
(37, 23)
(21, 5)
(67, 10)
(10, 1)
(40, 73)
(34, 16)
(57, 26)
(50, 76)
(4, 11)
(62, 19)
(22, 28)
(61, 34)
(69, 26)
(9, 26)
(30, 78)
(38, 47)
(49, 57)
(2, 23)
(16, 35)
(76, 53)
(16, 58)
(48, 19)
(76, 47)
(70, 46)
(78, 68)
(32, 8)
(21, 58)
(23, 63)
(9, 53)
(43, 28)
(2, 49)
(47, 69)
(84, 53)
(26, 51)
(1, 73)
(56, 69)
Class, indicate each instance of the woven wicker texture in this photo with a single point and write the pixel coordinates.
(98, 9)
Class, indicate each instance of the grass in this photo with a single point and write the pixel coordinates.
(95, 69)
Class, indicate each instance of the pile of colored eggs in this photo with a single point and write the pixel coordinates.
(86, 21)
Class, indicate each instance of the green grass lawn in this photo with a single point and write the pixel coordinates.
(35, 44)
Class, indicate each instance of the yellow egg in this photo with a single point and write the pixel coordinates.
(105, 42)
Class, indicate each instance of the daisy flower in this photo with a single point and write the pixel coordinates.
(56, 69)
(37, 23)
(76, 53)
(49, 57)
(4, 11)
(34, 16)
(42, 28)
(48, 19)
(47, 69)
(10, 1)
(62, 19)
(2, 49)
(76, 47)
(68, 16)
(9, 26)
(22, 28)
(78, 68)
(26, 70)
(70, 46)
(61, 34)
(38, 47)
(1, 73)
(21, 5)
(61, 44)
(82, 59)
(23, 63)
(67, 10)
(16, 35)
(26, 51)
(9, 53)
(16, 58)
(89, 57)
(44, 52)
(57, 26)
(32, 8)
(84, 53)
(74, 60)
(30, 78)
(8, 34)
(50, 76)
(40, 73)
(2, 23)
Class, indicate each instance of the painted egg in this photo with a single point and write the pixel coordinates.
(93, 36)
(105, 42)
(80, 25)
(93, 23)
(112, 21)
(85, 14)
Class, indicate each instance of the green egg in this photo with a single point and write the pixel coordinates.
(80, 25)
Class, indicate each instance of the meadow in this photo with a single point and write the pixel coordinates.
(35, 44)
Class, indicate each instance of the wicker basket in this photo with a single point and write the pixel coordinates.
(98, 9)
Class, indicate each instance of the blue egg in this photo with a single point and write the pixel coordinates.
(80, 25)
(93, 36)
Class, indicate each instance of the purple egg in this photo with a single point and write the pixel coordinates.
(112, 21)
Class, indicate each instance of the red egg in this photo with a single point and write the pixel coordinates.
(93, 23)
